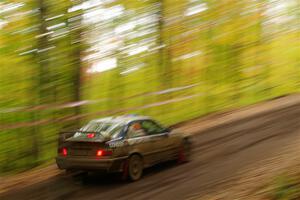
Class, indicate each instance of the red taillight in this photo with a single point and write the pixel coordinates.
(64, 151)
(102, 152)
(90, 135)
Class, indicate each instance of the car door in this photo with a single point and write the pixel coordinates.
(140, 142)
(163, 143)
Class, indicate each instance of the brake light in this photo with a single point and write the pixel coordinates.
(64, 151)
(90, 135)
(102, 152)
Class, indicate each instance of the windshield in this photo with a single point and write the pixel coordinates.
(104, 129)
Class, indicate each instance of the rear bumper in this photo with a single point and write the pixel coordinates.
(83, 163)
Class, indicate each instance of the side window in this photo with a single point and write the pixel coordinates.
(135, 130)
(151, 127)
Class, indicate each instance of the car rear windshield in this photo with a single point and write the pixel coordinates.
(105, 129)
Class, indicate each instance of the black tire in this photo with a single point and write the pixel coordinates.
(184, 153)
(135, 167)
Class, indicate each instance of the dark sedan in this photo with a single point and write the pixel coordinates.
(126, 144)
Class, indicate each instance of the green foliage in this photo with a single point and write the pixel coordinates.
(286, 188)
(234, 52)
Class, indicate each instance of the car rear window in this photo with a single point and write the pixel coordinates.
(104, 129)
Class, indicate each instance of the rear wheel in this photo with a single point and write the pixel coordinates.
(184, 152)
(135, 167)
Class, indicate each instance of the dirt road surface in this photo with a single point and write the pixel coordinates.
(225, 146)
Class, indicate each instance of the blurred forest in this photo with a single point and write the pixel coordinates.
(64, 62)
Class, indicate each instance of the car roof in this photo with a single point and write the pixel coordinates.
(124, 119)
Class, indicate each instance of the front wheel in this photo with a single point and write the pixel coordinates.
(135, 167)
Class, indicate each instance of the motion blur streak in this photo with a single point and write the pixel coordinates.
(62, 61)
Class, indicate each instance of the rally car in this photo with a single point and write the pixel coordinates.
(125, 144)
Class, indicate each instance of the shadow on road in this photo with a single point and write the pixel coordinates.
(96, 179)
(65, 186)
